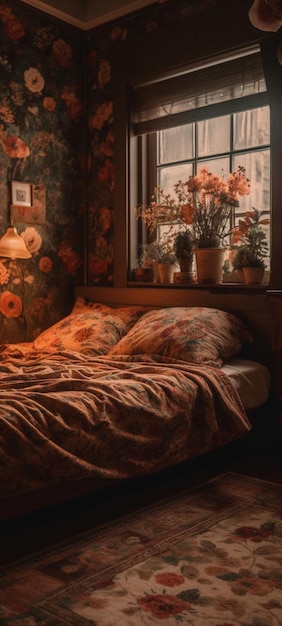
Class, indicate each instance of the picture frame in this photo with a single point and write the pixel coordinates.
(33, 213)
(20, 193)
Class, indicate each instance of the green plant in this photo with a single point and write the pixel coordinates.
(253, 245)
(184, 244)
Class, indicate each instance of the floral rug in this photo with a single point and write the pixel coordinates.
(211, 555)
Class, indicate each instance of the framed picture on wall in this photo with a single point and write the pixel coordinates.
(35, 211)
(21, 193)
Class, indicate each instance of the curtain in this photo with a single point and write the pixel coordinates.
(220, 82)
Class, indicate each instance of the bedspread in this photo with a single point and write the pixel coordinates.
(67, 416)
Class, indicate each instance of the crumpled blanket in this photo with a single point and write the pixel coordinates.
(67, 416)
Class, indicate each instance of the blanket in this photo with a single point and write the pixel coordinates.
(68, 416)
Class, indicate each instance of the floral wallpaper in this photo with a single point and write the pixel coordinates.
(42, 121)
(56, 130)
(100, 124)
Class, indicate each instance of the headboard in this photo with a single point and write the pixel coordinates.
(252, 306)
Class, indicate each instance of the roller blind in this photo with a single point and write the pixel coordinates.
(158, 104)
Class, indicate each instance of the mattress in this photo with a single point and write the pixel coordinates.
(251, 379)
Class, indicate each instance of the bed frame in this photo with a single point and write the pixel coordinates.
(252, 305)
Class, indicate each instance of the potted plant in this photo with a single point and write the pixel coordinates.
(253, 246)
(184, 249)
(158, 254)
(207, 200)
(143, 272)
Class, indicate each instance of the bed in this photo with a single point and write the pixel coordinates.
(111, 393)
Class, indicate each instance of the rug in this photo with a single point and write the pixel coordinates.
(211, 555)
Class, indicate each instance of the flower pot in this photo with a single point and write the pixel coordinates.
(166, 272)
(253, 275)
(143, 274)
(240, 275)
(156, 274)
(185, 265)
(209, 263)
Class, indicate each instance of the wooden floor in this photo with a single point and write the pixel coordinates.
(258, 455)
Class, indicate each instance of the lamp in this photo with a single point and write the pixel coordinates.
(13, 246)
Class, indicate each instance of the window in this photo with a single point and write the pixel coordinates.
(217, 116)
(222, 144)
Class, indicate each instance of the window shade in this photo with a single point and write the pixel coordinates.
(156, 104)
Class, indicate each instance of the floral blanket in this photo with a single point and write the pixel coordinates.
(68, 416)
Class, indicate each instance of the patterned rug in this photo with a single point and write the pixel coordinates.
(211, 555)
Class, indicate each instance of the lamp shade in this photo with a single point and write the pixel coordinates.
(13, 246)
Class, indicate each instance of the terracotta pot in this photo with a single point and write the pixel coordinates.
(209, 263)
(240, 275)
(253, 275)
(185, 265)
(166, 272)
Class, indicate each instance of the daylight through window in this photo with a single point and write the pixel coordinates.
(216, 117)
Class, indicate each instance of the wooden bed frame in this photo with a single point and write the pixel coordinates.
(253, 306)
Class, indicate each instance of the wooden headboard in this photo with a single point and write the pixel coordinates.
(252, 306)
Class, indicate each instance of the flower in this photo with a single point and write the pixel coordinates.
(32, 239)
(10, 304)
(205, 201)
(163, 209)
(253, 246)
(34, 81)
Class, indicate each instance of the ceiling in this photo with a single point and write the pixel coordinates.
(89, 13)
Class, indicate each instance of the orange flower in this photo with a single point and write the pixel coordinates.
(10, 304)
(187, 212)
(163, 606)
(62, 52)
(12, 25)
(71, 259)
(97, 266)
(45, 264)
(15, 147)
(49, 103)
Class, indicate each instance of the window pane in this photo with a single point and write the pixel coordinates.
(169, 176)
(218, 166)
(251, 128)
(257, 165)
(214, 136)
(176, 144)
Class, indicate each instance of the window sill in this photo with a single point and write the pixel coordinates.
(222, 287)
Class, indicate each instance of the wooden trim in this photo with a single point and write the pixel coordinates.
(275, 300)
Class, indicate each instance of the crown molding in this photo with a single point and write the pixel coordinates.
(87, 14)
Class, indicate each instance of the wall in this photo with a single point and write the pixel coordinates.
(42, 140)
(103, 44)
(57, 125)
(122, 54)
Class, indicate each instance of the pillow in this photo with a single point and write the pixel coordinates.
(91, 328)
(194, 334)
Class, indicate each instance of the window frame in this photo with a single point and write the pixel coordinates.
(148, 163)
(139, 60)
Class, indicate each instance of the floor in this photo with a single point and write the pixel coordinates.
(258, 455)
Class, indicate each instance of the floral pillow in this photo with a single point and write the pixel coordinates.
(194, 334)
(91, 328)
